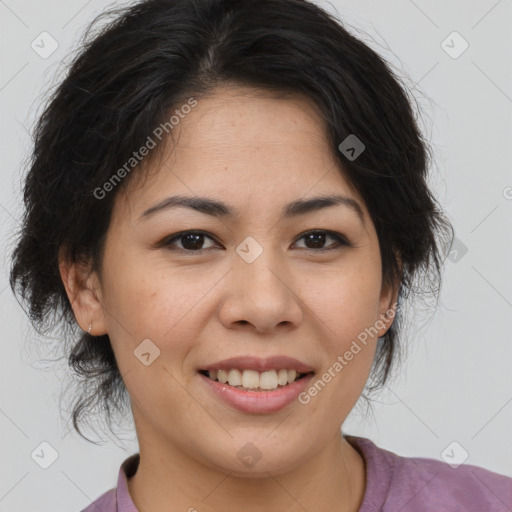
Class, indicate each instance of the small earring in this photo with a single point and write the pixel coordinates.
(90, 328)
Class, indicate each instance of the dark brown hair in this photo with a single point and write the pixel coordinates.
(142, 64)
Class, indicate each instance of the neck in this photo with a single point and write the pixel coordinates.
(333, 479)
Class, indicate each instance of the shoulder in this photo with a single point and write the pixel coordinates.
(118, 499)
(429, 484)
(422, 484)
(105, 503)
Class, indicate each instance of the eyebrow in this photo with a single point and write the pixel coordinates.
(220, 209)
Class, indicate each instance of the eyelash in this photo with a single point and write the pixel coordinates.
(341, 241)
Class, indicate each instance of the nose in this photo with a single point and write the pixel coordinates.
(260, 296)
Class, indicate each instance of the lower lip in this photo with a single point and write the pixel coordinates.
(262, 402)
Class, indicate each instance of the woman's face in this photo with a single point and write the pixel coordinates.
(252, 286)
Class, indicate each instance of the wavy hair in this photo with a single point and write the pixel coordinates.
(137, 64)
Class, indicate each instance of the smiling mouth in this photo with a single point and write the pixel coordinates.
(251, 380)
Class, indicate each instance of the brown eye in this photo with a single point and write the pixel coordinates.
(191, 241)
(315, 240)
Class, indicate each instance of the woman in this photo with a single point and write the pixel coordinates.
(229, 199)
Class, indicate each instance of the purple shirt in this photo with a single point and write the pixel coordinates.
(393, 483)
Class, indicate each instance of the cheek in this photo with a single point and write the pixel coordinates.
(345, 302)
(151, 301)
(345, 313)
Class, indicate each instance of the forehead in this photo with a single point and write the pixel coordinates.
(246, 144)
(251, 117)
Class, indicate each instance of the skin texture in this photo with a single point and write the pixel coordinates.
(255, 153)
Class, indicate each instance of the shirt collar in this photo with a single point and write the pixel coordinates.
(127, 470)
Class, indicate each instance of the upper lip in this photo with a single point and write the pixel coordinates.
(260, 364)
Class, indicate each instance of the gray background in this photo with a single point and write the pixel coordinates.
(456, 385)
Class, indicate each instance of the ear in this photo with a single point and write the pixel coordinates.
(387, 305)
(84, 293)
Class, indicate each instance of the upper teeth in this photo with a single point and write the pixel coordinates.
(253, 379)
